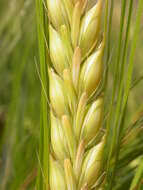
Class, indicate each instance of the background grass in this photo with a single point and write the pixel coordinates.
(20, 94)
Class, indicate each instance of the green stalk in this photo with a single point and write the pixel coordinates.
(116, 68)
(121, 114)
(121, 83)
(132, 54)
(43, 173)
(109, 30)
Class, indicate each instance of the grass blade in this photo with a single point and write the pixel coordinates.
(138, 177)
(43, 180)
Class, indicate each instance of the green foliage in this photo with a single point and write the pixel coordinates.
(121, 88)
(19, 94)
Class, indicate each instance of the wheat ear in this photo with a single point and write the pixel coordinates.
(76, 52)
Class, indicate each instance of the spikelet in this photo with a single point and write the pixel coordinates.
(58, 51)
(70, 178)
(57, 13)
(75, 26)
(68, 131)
(81, 111)
(90, 29)
(92, 165)
(91, 72)
(58, 98)
(57, 176)
(59, 146)
(76, 63)
(92, 122)
(74, 77)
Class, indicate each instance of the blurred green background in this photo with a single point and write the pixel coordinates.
(20, 92)
(19, 95)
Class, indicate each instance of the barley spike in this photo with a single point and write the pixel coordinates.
(76, 53)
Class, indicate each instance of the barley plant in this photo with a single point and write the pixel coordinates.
(85, 140)
(71, 117)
